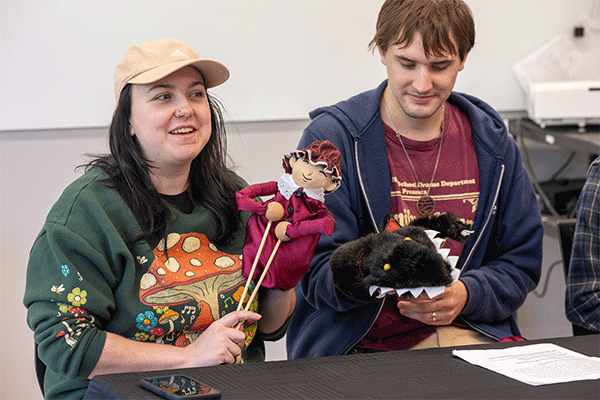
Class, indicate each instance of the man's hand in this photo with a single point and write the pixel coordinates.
(441, 310)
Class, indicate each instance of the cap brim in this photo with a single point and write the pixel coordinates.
(214, 72)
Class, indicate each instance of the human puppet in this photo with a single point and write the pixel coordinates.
(297, 211)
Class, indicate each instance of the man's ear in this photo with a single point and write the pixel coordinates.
(292, 161)
(382, 55)
(462, 63)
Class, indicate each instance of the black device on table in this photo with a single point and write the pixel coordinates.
(178, 387)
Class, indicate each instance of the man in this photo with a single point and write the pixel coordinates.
(583, 281)
(412, 147)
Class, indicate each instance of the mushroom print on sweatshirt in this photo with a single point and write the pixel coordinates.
(188, 285)
(190, 272)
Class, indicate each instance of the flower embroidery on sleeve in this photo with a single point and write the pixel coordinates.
(77, 297)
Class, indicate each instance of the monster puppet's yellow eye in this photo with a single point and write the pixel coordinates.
(407, 238)
(387, 266)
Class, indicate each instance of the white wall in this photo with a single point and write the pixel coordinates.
(279, 52)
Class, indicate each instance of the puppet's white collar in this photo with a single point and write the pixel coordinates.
(287, 187)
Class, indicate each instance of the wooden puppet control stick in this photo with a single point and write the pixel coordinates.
(274, 213)
(280, 230)
(260, 248)
(262, 276)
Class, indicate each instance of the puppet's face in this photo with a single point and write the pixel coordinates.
(311, 176)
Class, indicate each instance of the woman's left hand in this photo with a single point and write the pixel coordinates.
(441, 310)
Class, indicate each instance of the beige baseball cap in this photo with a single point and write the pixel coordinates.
(151, 61)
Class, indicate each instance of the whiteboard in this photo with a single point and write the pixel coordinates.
(286, 58)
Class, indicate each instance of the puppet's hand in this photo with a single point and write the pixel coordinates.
(285, 275)
(280, 231)
(274, 211)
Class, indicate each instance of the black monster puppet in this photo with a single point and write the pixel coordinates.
(398, 257)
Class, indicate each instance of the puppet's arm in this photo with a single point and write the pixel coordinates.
(324, 223)
(245, 197)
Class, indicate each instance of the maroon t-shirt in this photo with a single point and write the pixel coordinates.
(455, 188)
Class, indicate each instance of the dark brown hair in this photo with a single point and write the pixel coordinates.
(446, 26)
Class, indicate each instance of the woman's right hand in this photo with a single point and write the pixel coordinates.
(221, 342)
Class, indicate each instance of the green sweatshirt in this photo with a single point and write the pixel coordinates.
(86, 278)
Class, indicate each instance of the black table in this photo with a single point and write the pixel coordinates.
(416, 374)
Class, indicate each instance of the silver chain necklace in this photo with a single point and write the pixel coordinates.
(425, 204)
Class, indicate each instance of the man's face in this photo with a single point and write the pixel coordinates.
(419, 84)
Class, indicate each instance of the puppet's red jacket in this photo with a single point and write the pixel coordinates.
(309, 218)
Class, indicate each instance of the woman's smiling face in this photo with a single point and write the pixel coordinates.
(171, 119)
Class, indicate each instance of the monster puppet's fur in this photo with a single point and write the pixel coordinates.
(398, 257)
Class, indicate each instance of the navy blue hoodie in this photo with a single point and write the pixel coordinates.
(500, 264)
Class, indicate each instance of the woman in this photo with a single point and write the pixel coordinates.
(137, 266)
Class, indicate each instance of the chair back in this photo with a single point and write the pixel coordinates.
(566, 231)
(40, 369)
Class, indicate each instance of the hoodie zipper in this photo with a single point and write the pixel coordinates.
(489, 217)
(362, 188)
(485, 225)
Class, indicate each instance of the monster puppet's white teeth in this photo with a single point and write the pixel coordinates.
(182, 130)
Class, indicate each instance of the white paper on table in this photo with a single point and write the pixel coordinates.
(535, 364)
